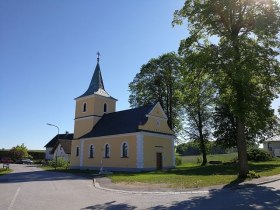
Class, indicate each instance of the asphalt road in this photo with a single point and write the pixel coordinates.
(29, 187)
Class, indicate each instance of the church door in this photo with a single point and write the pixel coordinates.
(159, 160)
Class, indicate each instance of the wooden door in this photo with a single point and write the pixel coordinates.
(159, 160)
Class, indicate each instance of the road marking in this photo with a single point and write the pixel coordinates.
(14, 199)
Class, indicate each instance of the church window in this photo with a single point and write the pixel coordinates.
(124, 150)
(107, 151)
(105, 108)
(91, 151)
(85, 107)
(77, 151)
(158, 122)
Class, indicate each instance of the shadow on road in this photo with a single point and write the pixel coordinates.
(32, 176)
(111, 205)
(240, 197)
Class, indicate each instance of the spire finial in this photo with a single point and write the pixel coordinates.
(98, 55)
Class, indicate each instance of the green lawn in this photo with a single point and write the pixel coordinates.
(192, 175)
(4, 171)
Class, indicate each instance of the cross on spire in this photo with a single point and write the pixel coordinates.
(98, 55)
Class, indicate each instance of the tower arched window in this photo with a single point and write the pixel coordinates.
(105, 108)
(85, 107)
(91, 151)
(107, 151)
(77, 151)
(124, 150)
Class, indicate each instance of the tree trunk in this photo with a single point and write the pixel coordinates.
(242, 148)
(202, 141)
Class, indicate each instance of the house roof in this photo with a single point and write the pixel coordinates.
(96, 85)
(126, 121)
(66, 136)
(66, 145)
(273, 138)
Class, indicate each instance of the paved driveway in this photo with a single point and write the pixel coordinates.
(31, 188)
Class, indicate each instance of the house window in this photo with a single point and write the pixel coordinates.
(85, 107)
(91, 151)
(269, 147)
(77, 151)
(107, 151)
(105, 108)
(124, 150)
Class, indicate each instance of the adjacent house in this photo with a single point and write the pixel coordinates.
(49, 155)
(136, 139)
(62, 149)
(272, 145)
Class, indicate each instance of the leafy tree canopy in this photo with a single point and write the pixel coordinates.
(237, 42)
(159, 81)
(18, 152)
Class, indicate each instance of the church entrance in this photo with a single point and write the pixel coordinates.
(159, 160)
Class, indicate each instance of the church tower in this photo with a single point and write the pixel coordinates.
(91, 105)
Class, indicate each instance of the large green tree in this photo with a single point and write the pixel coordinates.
(158, 81)
(197, 97)
(241, 38)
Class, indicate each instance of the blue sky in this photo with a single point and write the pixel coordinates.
(48, 55)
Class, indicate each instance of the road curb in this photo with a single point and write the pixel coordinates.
(246, 184)
(98, 186)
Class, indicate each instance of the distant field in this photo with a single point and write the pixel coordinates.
(220, 157)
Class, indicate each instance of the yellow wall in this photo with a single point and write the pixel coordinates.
(85, 121)
(95, 105)
(84, 125)
(115, 159)
(151, 144)
(74, 160)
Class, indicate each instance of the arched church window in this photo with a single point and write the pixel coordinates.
(85, 107)
(124, 150)
(91, 151)
(107, 151)
(105, 108)
(77, 151)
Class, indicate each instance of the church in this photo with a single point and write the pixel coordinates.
(136, 139)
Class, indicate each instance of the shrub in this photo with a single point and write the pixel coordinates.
(178, 161)
(253, 175)
(258, 155)
(59, 163)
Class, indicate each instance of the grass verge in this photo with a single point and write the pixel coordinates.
(191, 175)
(4, 171)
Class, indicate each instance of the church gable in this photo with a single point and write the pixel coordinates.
(156, 121)
(157, 111)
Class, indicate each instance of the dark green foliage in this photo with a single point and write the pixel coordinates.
(37, 155)
(190, 148)
(4, 153)
(258, 155)
(178, 161)
(214, 148)
(225, 127)
(193, 148)
(159, 81)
